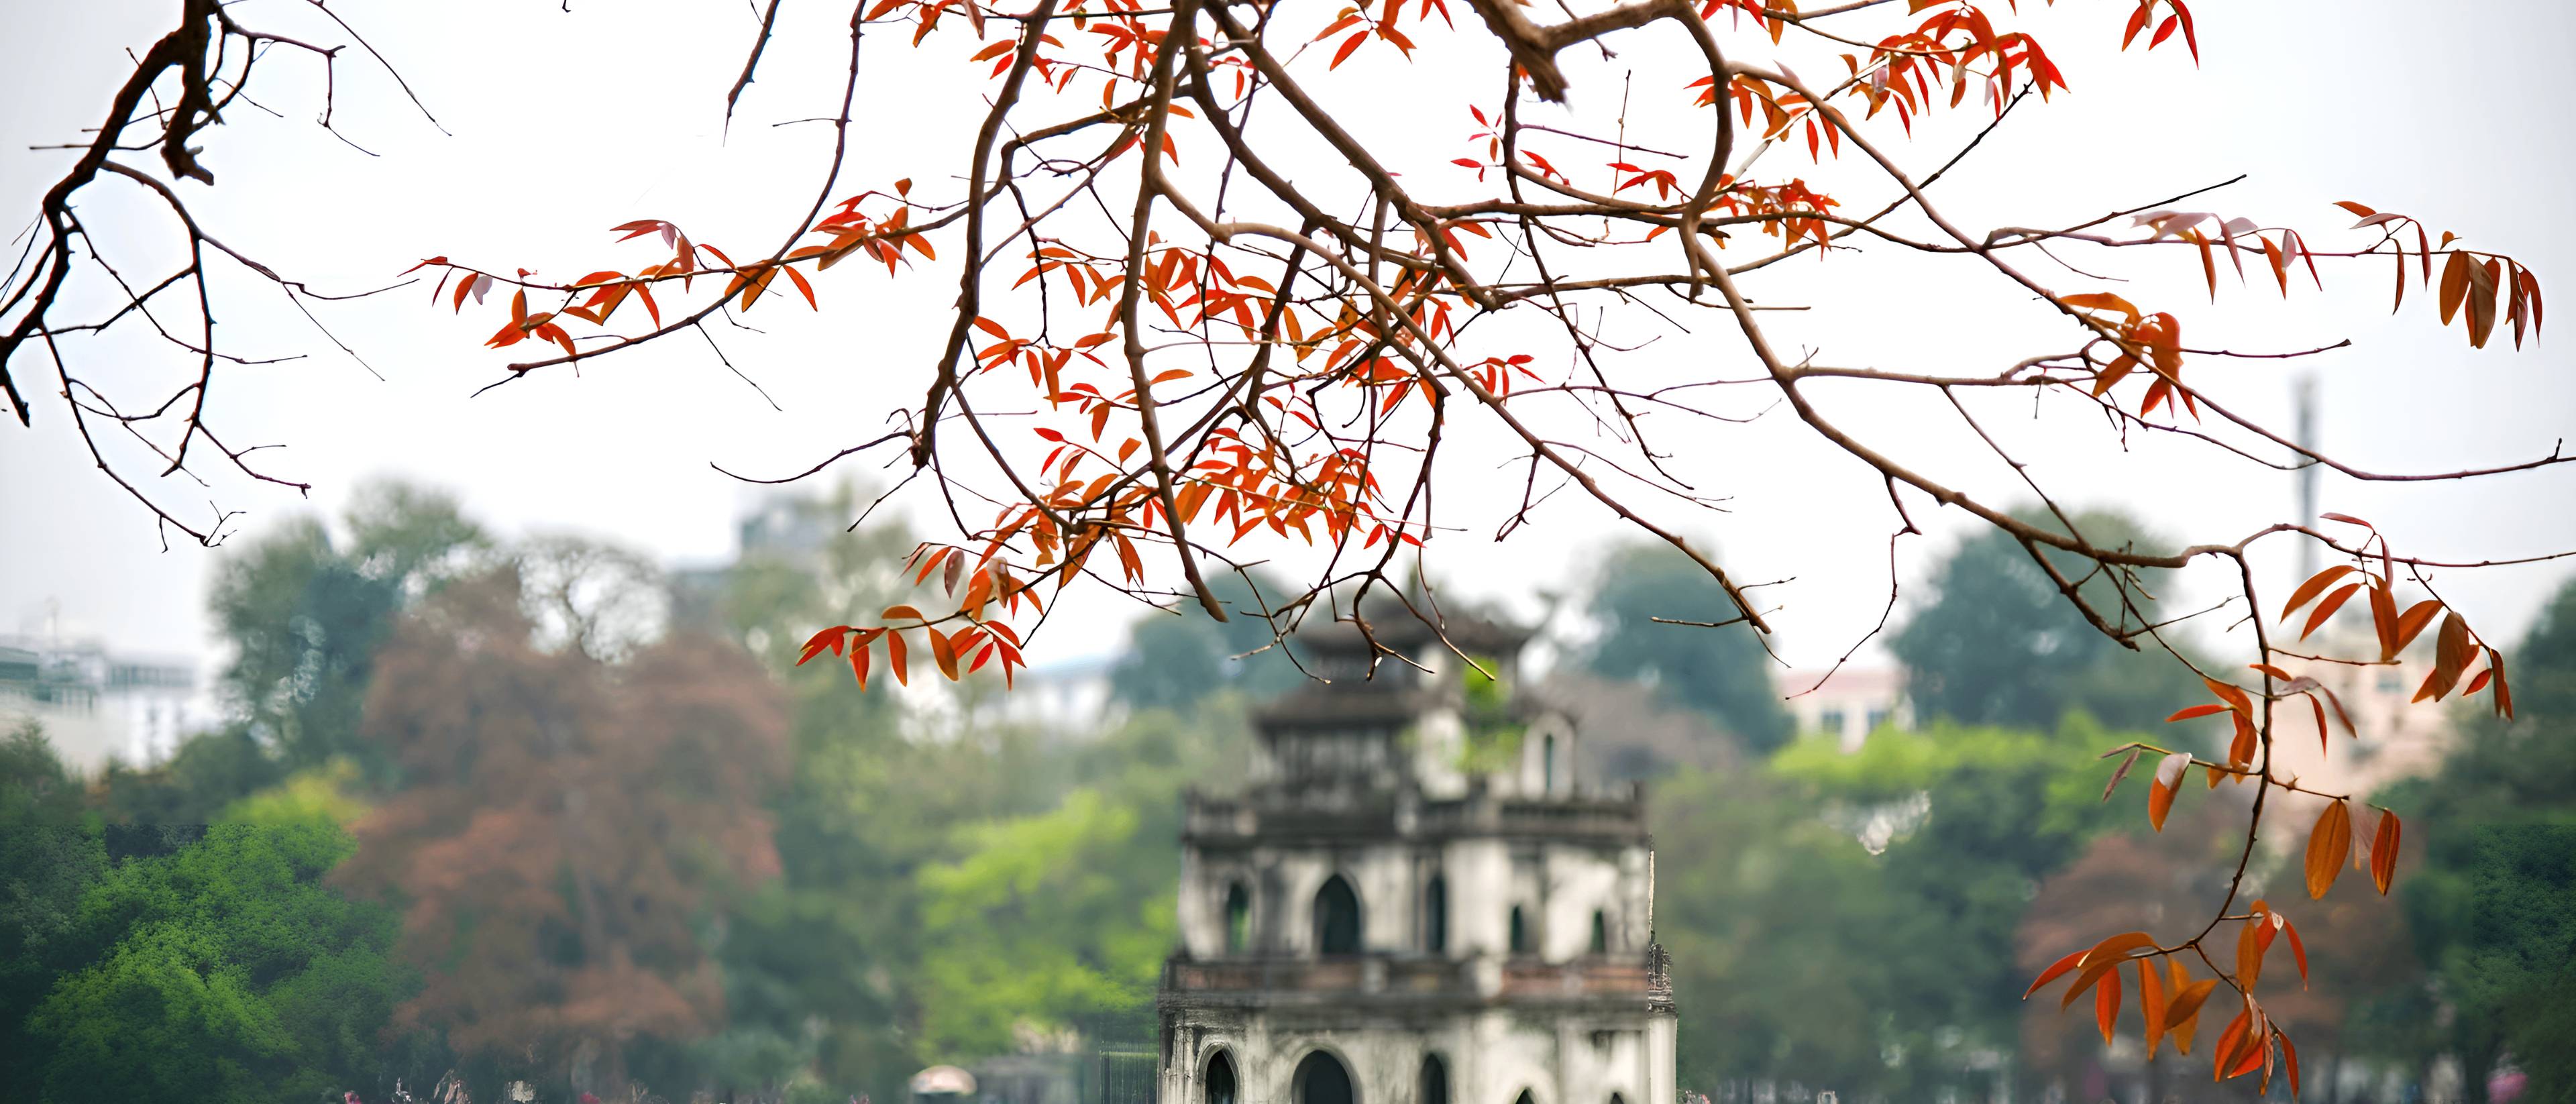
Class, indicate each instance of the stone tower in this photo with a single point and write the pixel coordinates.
(1416, 900)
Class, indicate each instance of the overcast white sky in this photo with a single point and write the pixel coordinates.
(563, 124)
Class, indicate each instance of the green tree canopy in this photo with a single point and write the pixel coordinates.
(50, 856)
(1177, 657)
(2493, 904)
(223, 972)
(306, 613)
(1998, 643)
(1043, 919)
(1721, 672)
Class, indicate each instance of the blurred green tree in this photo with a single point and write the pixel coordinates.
(1971, 820)
(305, 615)
(1998, 643)
(51, 853)
(2492, 902)
(1041, 920)
(1721, 672)
(1768, 912)
(1177, 657)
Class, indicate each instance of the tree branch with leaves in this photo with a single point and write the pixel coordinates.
(1222, 342)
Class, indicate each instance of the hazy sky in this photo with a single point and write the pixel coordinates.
(563, 124)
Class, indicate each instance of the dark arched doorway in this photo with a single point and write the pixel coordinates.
(1337, 918)
(1519, 933)
(1320, 1079)
(1435, 1081)
(1219, 1085)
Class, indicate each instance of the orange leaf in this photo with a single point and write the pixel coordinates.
(2151, 1001)
(2230, 693)
(1348, 45)
(2252, 941)
(2383, 852)
(828, 638)
(2315, 585)
(943, 653)
(2325, 609)
(2383, 618)
(2329, 845)
(895, 655)
(2202, 710)
(2106, 1001)
(2160, 792)
(2410, 624)
(2053, 972)
(2183, 1015)
(2230, 1041)
(2455, 285)
(798, 278)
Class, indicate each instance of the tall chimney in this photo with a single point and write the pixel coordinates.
(2304, 397)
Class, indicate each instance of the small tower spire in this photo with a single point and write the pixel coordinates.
(2304, 397)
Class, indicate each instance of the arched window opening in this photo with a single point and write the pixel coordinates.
(1525, 1098)
(1547, 765)
(1337, 918)
(1435, 1081)
(1615, 1098)
(1238, 919)
(1218, 1086)
(1435, 915)
(1520, 932)
(1320, 1079)
(1600, 932)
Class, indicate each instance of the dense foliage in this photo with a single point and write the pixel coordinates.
(684, 864)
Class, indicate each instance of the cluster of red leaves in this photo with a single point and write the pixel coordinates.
(1381, 26)
(2170, 1001)
(2153, 342)
(2251, 1042)
(957, 652)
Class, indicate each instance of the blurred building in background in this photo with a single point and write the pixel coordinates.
(1418, 898)
(97, 705)
(1852, 702)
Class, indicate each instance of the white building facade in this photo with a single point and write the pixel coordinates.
(97, 707)
(1416, 901)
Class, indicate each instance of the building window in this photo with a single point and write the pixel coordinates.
(1337, 918)
(1435, 915)
(1877, 717)
(1238, 919)
(1831, 720)
(1435, 1081)
(1320, 1079)
(1547, 765)
(1520, 932)
(2390, 682)
(1600, 932)
(1218, 1087)
(1525, 1098)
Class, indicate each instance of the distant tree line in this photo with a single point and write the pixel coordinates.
(506, 810)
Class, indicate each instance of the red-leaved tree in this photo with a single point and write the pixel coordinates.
(563, 825)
